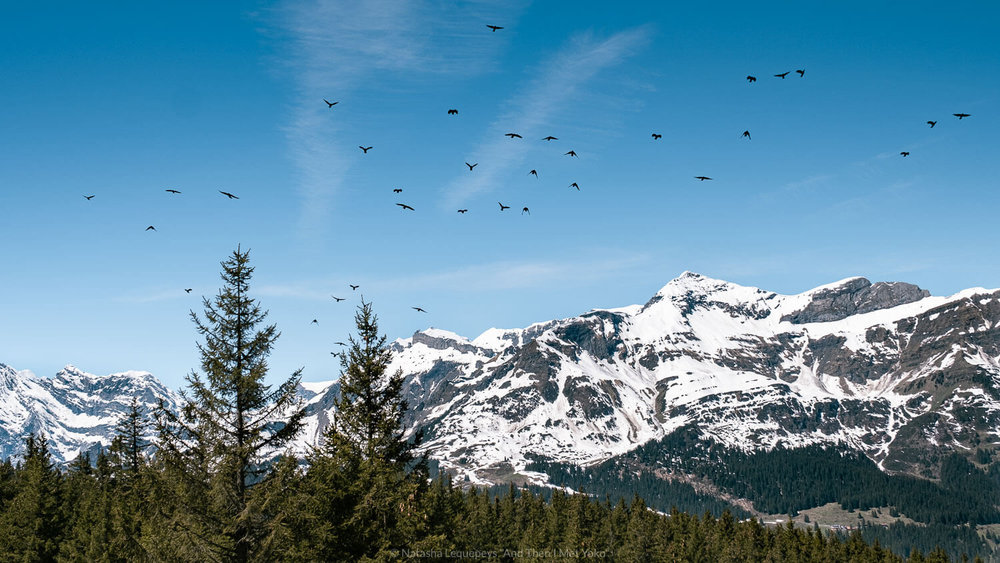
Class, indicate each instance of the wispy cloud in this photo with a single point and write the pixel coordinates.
(338, 46)
(515, 275)
(534, 108)
(490, 276)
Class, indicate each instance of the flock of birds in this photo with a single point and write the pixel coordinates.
(513, 136)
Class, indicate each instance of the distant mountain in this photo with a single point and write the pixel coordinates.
(75, 410)
(885, 369)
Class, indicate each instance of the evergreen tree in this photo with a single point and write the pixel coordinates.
(364, 475)
(232, 425)
(34, 522)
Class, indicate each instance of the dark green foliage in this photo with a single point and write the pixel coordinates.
(218, 448)
(33, 522)
(903, 538)
(784, 481)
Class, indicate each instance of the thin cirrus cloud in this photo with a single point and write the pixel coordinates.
(339, 46)
(537, 106)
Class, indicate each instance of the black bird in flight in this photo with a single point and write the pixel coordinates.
(525, 210)
(188, 290)
(453, 112)
(961, 115)
(751, 79)
(463, 211)
(88, 197)
(172, 191)
(330, 104)
(150, 228)
(550, 138)
(471, 166)
(932, 123)
(657, 136)
(315, 322)
(782, 75)
(340, 343)
(354, 287)
(502, 206)
(533, 171)
(338, 299)
(513, 135)
(747, 134)
(904, 154)
(404, 206)
(365, 149)
(397, 190)
(575, 185)
(227, 194)
(702, 178)
(418, 309)
(801, 73)
(494, 27)
(571, 153)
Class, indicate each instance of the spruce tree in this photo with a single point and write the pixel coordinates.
(33, 523)
(231, 427)
(365, 472)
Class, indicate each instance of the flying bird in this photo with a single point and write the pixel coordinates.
(513, 135)
(463, 210)
(354, 287)
(502, 206)
(404, 206)
(338, 299)
(150, 228)
(961, 115)
(525, 210)
(172, 191)
(751, 79)
(88, 197)
(575, 185)
(330, 104)
(801, 73)
(494, 27)
(747, 134)
(315, 322)
(932, 123)
(904, 154)
(471, 166)
(365, 149)
(571, 153)
(533, 171)
(657, 136)
(340, 343)
(550, 138)
(782, 75)
(227, 194)
(453, 112)
(188, 290)
(702, 178)
(418, 309)
(397, 190)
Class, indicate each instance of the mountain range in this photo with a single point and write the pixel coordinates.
(885, 369)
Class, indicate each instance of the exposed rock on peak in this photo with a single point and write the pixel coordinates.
(855, 296)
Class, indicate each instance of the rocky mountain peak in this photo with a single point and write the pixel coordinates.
(854, 296)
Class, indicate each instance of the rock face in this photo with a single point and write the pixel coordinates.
(855, 297)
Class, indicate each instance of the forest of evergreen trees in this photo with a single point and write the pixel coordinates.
(216, 485)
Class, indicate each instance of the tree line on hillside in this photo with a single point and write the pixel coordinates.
(220, 485)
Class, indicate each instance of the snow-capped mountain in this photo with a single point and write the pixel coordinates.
(76, 411)
(885, 368)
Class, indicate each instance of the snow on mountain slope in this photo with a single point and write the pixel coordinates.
(885, 368)
(75, 410)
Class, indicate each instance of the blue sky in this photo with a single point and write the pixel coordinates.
(124, 101)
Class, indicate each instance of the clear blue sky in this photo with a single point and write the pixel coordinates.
(125, 101)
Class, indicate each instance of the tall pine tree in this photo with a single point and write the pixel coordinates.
(365, 473)
(217, 450)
